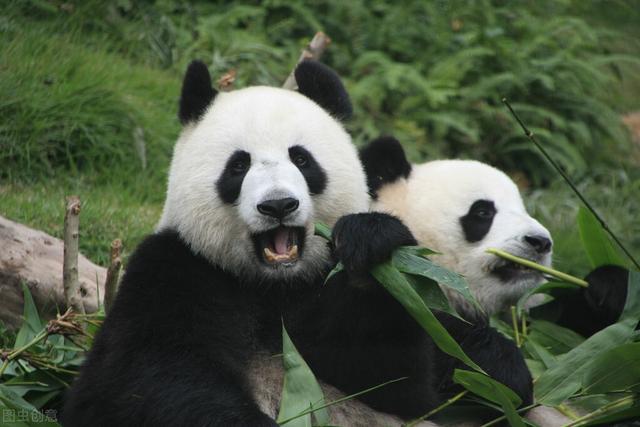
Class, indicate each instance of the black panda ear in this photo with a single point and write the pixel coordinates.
(197, 92)
(322, 85)
(384, 162)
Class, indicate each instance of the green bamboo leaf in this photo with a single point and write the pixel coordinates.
(615, 370)
(599, 248)
(322, 230)
(300, 391)
(398, 286)
(564, 379)
(14, 404)
(490, 389)
(32, 324)
(542, 289)
(408, 262)
(337, 269)
(432, 294)
(631, 309)
(555, 338)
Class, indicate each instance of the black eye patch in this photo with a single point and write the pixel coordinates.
(230, 181)
(311, 171)
(477, 222)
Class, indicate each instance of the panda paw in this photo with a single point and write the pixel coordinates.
(363, 240)
(607, 291)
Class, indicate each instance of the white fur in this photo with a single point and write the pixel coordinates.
(431, 202)
(264, 122)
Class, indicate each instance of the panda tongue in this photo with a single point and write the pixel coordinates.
(281, 241)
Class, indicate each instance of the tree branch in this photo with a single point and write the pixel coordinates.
(314, 50)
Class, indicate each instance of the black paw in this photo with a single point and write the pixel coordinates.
(501, 359)
(363, 240)
(607, 292)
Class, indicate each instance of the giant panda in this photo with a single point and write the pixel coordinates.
(460, 208)
(463, 207)
(196, 323)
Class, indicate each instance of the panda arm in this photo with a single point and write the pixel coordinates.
(363, 337)
(496, 354)
(172, 350)
(588, 310)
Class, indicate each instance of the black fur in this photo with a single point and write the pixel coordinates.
(496, 354)
(175, 346)
(366, 337)
(589, 310)
(322, 85)
(229, 183)
(477, 222)
(312, 171)
(363, 240)
(384, 162)
(197, 93)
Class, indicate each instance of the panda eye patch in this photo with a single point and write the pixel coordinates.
(477, 222)
(230, 181)
(309, 168)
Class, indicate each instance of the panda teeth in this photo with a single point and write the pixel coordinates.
(291, 255)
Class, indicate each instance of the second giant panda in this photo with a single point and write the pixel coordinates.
(460, 208)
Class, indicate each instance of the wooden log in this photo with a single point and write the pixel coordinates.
(113, 274)
(35, 258)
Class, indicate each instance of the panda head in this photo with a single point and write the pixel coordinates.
(253, 169)
(461, 208)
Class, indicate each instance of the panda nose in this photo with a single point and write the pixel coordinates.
(541, 244)
(278, 208)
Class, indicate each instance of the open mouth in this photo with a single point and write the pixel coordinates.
(280, 246)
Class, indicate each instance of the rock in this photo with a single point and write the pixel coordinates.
(35, 258)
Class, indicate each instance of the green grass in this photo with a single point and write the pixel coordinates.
(108, 212)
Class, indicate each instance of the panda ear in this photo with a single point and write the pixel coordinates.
(322, 85)
(197, 93)
(384, 162)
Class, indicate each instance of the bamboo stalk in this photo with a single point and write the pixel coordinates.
(534, 266)
(314, 50)
(113, 274)
(570, 183)
(70, 260)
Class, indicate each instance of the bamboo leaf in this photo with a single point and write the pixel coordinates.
(32, 324)
(490, 389)
(564, 379)
(300, 390)
(408, 262)
(398, 286)
(615, 370)
(596, 243)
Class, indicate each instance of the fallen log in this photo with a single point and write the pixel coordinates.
(35, 258)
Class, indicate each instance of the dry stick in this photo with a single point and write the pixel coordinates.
(113, 273)
(604, 225)
(314, 50)
(70, 261)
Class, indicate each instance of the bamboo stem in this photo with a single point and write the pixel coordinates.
(548, 270)
(438, 409)
(604, 225)
(113, 274)
(314, 50)
(70, 261)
